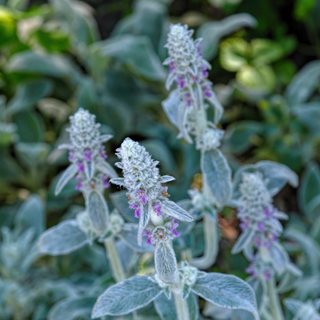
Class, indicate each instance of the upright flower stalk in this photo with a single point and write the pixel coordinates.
(259, 241)
(148, 198)
(170, 288)
(88, 166)
(187, 107)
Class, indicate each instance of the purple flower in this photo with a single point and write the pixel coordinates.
(157, 208)
(261, 226)
(80, 167)
(142, 196)
(87, 155)
(268, 212)
(148, 235)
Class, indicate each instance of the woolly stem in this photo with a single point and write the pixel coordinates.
(211, 243)
(181, 307)
(114, 259)
(274, 302)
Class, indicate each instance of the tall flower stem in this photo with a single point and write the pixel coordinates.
(181, 307)
(211, 244)
(274, 302)
(114, 259)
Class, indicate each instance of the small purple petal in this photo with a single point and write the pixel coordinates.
(87, 155)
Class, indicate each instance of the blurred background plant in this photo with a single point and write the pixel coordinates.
(106, 56)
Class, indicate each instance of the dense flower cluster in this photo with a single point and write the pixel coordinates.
(186, 65)
(260, 225)
(87, 152)
(148, 197)
(88, 166)
(188, 75)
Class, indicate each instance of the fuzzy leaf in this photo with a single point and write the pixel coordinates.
(310, 188)
(165, 262)
(126, 296)
(65, 177)
(226, 291)
(31, 214)
(304, 83)
(107, 169)
(62, 239)
(98, 210)
(217, 175)
(173, 210)
(245, 238)
(212, 32)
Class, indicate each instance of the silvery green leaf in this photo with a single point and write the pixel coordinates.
(89, 169)
(309, 247)
(217, 175)
(177, 113)
(277, 175)
(165, 308)
(308, 114)
(32, 154)
(126, 296)
(244, 239)
(165, 262)
(310, 188)
(98, 211)
(65, 177)
(167, 311)
(165, 179)
(118, 181)
(105, 137)
(31, 215)
(304, 83)
(107, 169)
(217, 107)
(193, 307)
(226, 291)
(72, 308)
(280, 258)
(293, 305)
(120, 202)
(212, 32)
(62, 239)
(129, 236)
(173, 210)
(171, 107)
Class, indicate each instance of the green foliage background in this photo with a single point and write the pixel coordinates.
(106, 56)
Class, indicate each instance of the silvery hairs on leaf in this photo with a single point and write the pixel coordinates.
(192, 91)
(126, 297)
(261, 228)
(304, 310)
(146, 193)
(88, 165)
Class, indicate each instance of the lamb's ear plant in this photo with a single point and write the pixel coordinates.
(88, 166)
(171, 287)
(194, 109)
(303, 310)
(255, 187)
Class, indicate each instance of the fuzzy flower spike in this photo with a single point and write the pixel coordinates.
(192, 91)
(147, 195)
(88, 166)
(261, 229)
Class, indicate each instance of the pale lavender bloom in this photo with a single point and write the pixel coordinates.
(147, 193)
(261, 228)
(88, 166)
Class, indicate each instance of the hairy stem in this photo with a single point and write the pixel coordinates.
(211, 243)
(274, 302)
(181, 307)
(114, 259)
